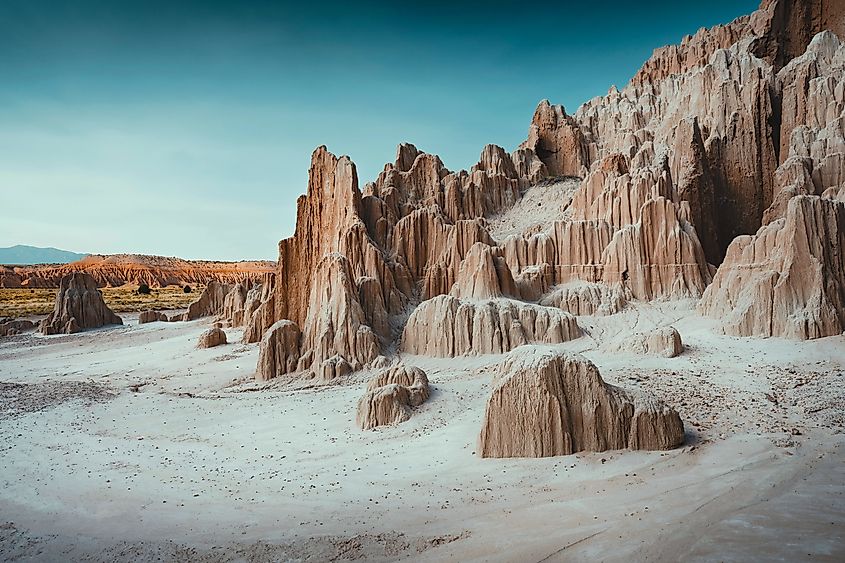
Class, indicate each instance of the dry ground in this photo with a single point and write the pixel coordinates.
(130, 444)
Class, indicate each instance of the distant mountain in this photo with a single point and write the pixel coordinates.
(23, 255)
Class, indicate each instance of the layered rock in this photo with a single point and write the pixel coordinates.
(391, 395)
(548, 403)
(788, 279)
(557, 140)
(212, 337)
(115, 270)
(447, 327)
(484, 274)
(79, 306)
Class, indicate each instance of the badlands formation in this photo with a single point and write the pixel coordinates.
(621, 341)
(120, 269)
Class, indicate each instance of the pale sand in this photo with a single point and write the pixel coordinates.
(171, 453)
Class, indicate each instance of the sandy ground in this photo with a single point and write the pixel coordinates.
(129, 444)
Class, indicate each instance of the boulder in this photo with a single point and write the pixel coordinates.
(9, 327)
(151, 317)
(211, 338)
(548, 403)
(391, 395)
(665, 341)
(279, 350)
(79, 306)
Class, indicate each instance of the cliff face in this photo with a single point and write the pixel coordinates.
(119, 269)
(711, 139)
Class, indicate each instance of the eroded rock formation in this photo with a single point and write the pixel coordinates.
(548, 403)
(210, 303)
(79, 306)
(448, 327)
(788, 279)
(151, 317)
(664, 341)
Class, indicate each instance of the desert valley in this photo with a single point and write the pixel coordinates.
(622, 341)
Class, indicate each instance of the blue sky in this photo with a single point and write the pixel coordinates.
(187, 129)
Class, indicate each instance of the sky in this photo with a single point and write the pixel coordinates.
(186, 128)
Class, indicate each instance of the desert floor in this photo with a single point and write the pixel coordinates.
(129, 444)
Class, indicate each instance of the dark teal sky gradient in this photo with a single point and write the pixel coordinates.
(185, 128)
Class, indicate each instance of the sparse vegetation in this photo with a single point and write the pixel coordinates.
(187, 289)
(27, 302)
(144, 289)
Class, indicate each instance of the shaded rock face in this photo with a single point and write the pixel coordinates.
(547, 403)
(391, 395)
(787, 280)
(151, 317)
(211, 338)
(665, 341)
(210, 303)
(79, 306)
(448, 327)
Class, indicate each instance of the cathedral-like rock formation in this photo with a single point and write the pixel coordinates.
(391, 395)
(79, 306)
(548, 403)
(711, 140)
(787, 280)
(448, 327)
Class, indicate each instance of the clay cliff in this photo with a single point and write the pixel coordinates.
(712, 140)
(119, 269)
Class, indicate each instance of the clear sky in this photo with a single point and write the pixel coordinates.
(185, 128)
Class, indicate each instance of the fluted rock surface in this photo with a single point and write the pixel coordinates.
(449, 327)
(787, 280)
(391, 395)
(548, 403)
(79, 306)
(9, 327)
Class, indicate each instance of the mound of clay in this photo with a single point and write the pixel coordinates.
(210, 302)
(279, 351)
(211, 338)
(787, 280)
(583, 298)
(547, 403)
(664, 342)
(10, 327)
(448, 327)
(79, 306)
(390, 396)
(151, 317)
